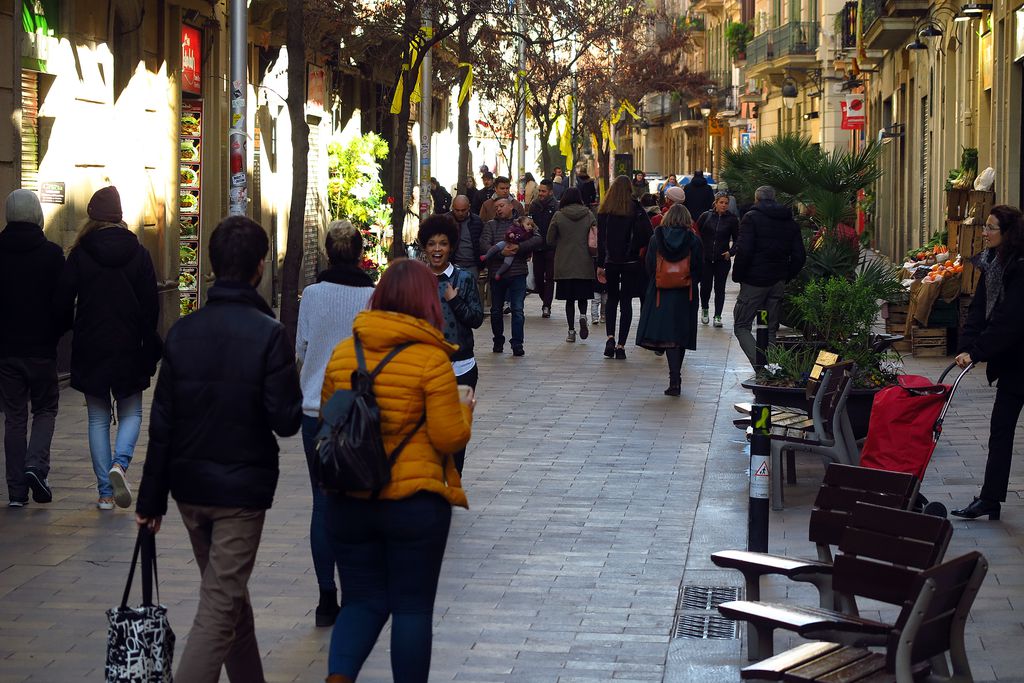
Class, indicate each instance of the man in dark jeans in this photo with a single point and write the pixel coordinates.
(30, 267)
(227, 384)
(512, 285)
(542, 210)
(769, 253)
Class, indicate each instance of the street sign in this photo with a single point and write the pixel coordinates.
(51, 193)
(852, 107)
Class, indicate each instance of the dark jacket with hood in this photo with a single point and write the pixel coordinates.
(770, 247)
(719, 233)
(997, 340)
(621, 238)
(668, 318)
(442, 199)
(227, 384)
(588, 190)
(699, 196)
(542, 211)
(107, 294)
(30, 267)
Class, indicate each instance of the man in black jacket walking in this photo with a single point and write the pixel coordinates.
(542, 210)
(30, 267)
(227, 384)
(699, 195)
(769, 253)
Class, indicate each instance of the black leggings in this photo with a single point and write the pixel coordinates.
(468, 379)
(675, 363)
(570, 311)
(715, 275)
(616, 275)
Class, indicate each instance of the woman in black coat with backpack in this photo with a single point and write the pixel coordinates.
(994, 334)
(107, 294)
(719, 229)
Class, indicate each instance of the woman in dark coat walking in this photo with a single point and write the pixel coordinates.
(107, 294)
(574, 268)
(668, 321)
(719, 229)
(623, 231)
(994, 334)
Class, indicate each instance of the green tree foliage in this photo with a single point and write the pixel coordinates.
(354, 189)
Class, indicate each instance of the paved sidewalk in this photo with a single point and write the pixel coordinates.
(593, 498)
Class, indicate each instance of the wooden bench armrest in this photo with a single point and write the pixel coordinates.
(762, 564)
(803, 620)
(774, 668)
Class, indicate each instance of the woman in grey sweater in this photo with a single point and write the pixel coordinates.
(325, 318)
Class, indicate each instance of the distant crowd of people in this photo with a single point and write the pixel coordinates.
(231, 382)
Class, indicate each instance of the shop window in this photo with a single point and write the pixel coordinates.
(30, 130)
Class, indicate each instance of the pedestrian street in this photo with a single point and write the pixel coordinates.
(593, 499)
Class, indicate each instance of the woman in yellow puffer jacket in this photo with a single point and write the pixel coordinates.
(389, 549)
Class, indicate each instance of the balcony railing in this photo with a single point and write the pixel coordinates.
(721, 79)
(760, 49)
(796, 38)
(873, 9)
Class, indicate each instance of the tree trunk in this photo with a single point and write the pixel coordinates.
(464, 169)
(300, 171)
(399, 149)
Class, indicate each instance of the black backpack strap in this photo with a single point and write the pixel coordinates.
(402, 444)
(361, 359)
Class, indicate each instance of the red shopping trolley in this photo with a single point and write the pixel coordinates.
(906, 423)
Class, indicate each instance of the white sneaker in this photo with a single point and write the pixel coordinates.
(105, 504)
(122, 493)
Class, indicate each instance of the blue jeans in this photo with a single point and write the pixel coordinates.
(323, 559)
(513, 290)
(129, 424)
(389, 556)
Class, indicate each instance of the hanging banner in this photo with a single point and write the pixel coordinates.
(191, 60)
(316, 90)
(852, 107)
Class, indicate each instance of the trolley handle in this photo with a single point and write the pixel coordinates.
(937, 430)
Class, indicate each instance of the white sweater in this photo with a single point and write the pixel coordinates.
(325, 318)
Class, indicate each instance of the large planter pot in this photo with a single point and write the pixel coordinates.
(858, 405)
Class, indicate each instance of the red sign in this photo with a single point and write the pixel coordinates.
(316, 90)
(191, 60)
(852, 107)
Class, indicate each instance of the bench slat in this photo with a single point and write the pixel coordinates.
(831, 663)
(773, 667)
(802, 620)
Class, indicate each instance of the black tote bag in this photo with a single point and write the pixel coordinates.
(140, 642)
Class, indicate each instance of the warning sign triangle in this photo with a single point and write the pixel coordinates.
(762, 471)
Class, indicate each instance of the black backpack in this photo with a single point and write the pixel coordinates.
(349, 445)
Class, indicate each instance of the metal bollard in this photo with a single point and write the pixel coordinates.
(760, 478)
(761, 338)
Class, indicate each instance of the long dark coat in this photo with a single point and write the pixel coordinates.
(668, 319)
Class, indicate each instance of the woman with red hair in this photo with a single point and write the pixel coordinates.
(389, 546)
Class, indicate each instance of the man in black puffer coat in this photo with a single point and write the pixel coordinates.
(769, 253)
(227, 384)
(699, 195)
(30, 267)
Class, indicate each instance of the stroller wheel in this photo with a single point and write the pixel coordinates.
(920, 503)
(935, 509)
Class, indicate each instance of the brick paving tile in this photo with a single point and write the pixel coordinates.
(593, 499)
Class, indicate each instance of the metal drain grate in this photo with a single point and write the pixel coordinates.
(697, 615)
(707, 597)
(704, 627)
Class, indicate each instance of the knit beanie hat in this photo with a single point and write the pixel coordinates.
(23, 207)
(675, 194)
(105, 205)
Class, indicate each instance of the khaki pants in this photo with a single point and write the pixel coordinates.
(224, 541)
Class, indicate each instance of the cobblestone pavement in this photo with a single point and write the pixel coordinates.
(593, 498)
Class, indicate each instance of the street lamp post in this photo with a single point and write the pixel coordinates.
(521, 133)
(238, 181)
(426, 125)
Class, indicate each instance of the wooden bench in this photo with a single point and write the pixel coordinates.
(930, 627)
(816, 431)
(881, 552)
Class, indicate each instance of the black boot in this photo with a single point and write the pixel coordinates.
(674, 386)
(979, 507)
(327, 610)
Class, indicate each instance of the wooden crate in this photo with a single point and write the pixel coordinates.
(897, 313)
(952, 236)
(956, 204)
(929, 341)
(979, 203)
(903, 346)
(971, 242)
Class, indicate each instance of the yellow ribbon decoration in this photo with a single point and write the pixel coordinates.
(627, 107)
(593, 144)
(467, 83)
(425, 33)
(565, 141)
(605, 133)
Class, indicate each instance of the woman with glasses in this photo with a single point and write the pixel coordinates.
(993, 334)
(719, 229)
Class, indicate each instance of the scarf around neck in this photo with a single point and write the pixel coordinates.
(992, 268)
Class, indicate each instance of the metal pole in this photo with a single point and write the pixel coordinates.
(760, 478)
(761, 330)
(521, 152)
(238, 181)
(426, 123)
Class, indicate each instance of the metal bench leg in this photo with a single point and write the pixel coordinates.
(760, 642)
(791, 466)
(776, 476)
